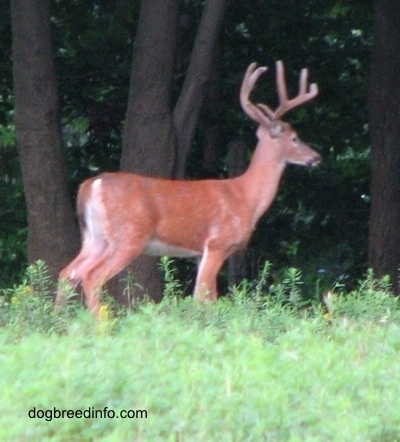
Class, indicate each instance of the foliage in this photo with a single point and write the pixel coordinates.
(289, 373)
(28, 307)
(13, 224)
(373, 299)
(94, 46)
(172, 287)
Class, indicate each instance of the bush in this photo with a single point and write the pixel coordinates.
(28, 307)
(373, 299)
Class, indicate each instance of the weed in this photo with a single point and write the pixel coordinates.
(172, 287)
(373, 299)
(28, 307)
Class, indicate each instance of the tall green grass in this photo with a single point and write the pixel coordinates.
(254, 366)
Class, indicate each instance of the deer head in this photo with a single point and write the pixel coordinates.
(280, 135)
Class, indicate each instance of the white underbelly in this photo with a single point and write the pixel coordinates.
(156, 247)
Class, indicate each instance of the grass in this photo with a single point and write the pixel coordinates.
(254, 367)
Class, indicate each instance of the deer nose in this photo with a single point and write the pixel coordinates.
(314, 160)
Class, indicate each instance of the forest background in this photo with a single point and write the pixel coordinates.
(152, 87)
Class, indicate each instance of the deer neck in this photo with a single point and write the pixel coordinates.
(261, 180)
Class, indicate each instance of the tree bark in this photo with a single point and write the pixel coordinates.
(148, 138)
(156, 141)
(211, 121)
(187, 109)
(384, 234)
(53, 234)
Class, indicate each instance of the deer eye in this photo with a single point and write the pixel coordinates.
(295, 138)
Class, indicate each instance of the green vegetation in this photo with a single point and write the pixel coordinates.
(266, 363)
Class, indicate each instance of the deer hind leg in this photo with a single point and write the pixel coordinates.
(112, 261)
(71, 275)
(206, 280)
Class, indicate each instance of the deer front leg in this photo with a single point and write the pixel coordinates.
(206, 280)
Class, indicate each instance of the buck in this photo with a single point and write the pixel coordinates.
(123, 215)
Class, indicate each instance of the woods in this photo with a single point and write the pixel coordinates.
(153, 88)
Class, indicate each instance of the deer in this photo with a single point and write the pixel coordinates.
(123, 215)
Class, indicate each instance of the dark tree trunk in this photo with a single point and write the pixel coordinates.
(384, 234)
(156, 140)
(211, 122)
(187, 109)
(53, 235)
(148, 139)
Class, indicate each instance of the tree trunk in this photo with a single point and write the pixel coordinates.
(384, 234)
(53, 235)
(211, 122)
(151, 129)
(187, 109)
(148, 139)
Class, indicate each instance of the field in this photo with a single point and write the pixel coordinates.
(252, 367)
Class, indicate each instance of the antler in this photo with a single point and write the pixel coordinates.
(285, 104)
(250, 78)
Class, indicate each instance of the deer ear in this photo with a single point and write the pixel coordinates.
(275, 129)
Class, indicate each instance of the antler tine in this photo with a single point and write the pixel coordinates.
(250, 79)
(281, 84)
(285, 104)
(303, 81)
(312, 90)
